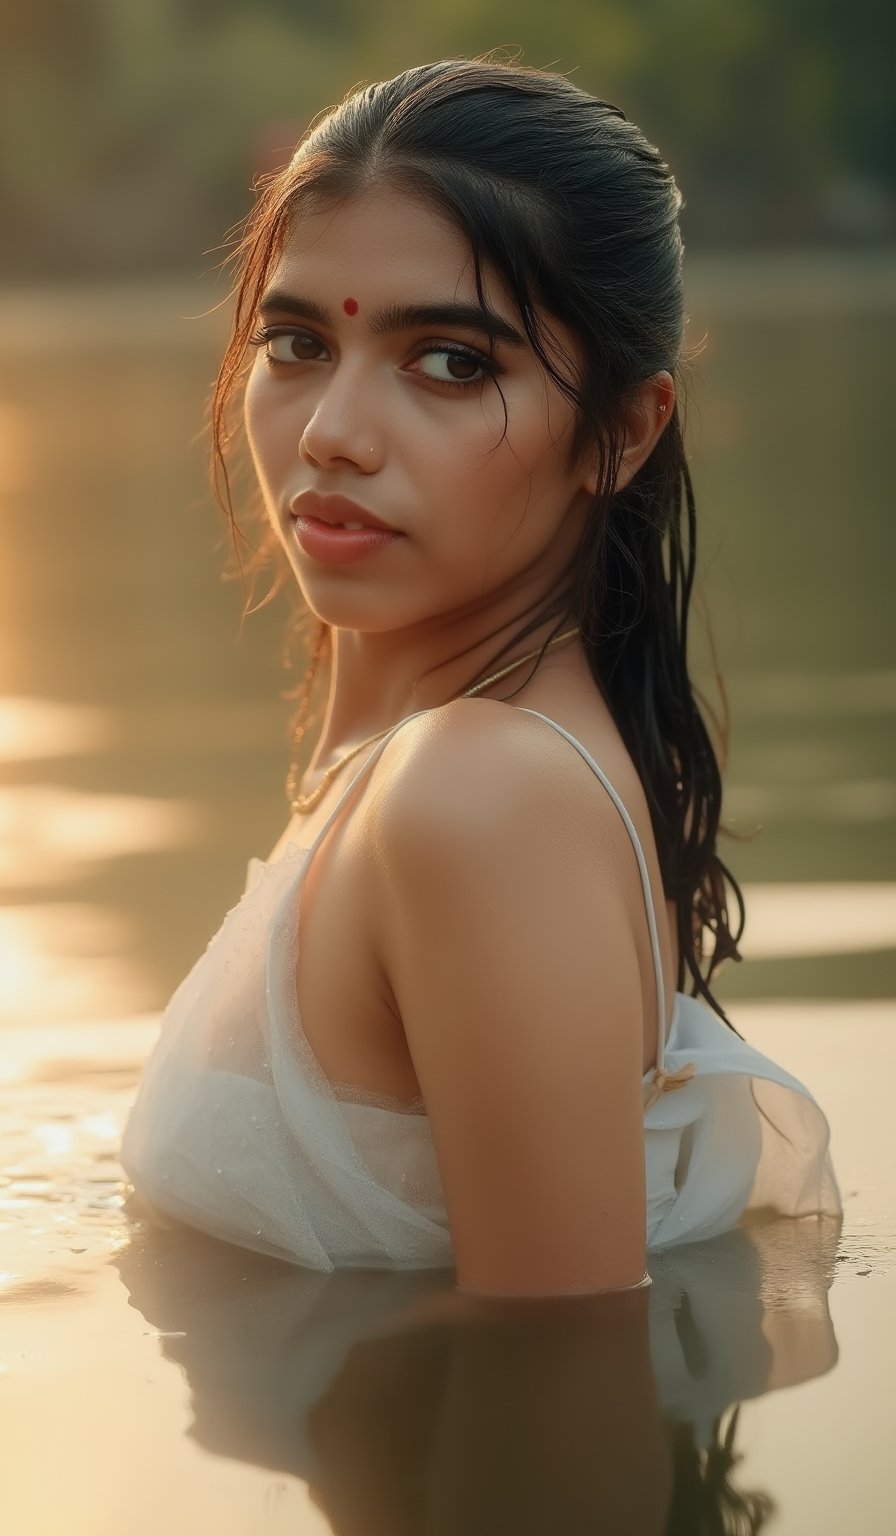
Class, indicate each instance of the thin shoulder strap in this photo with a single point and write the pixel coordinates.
(642, 866)
(629, 824)
(368, 763)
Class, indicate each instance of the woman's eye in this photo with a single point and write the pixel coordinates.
(449, 366)
(454, 367)
(289, 346)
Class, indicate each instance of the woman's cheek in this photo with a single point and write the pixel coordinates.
(253, 417)
(273, 434)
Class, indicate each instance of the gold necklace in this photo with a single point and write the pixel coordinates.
(302, 804)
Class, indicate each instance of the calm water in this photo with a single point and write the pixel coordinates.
(142, 751)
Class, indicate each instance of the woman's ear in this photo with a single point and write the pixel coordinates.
(645, 416)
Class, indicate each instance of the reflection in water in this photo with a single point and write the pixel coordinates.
(821, 918)
(407, 1407)
(53, 835)
(31, 729)
(68, 961)
(73, 959)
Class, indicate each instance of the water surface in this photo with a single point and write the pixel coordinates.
(166, 1380)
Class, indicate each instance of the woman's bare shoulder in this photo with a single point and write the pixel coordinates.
(513, 965)
(480, 761)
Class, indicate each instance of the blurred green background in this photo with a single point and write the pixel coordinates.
(143, 744)
(131, 128)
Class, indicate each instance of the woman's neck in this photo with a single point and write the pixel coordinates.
(377, 680)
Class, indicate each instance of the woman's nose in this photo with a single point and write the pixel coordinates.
(340, 430)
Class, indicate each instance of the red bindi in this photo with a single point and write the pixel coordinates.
(350, 306)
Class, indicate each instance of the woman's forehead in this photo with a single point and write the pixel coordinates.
(382, 234)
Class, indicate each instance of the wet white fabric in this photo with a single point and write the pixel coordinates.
(236, 1131)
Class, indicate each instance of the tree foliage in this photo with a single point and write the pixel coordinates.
(132, 131)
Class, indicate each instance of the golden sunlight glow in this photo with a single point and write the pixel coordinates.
(40, 728)
(50, 833)
(56, 1140)
(104, 1126)
(70, 961)
(120, 1044)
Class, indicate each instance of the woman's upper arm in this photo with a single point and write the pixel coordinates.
(509, 950)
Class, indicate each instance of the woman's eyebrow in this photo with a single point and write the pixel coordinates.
(406, 317)
(399, 317)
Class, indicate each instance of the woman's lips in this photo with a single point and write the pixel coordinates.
(332, 545)
(334, 509)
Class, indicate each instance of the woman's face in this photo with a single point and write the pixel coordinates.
(353, 393)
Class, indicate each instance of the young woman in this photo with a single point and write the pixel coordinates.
(445, 1023)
